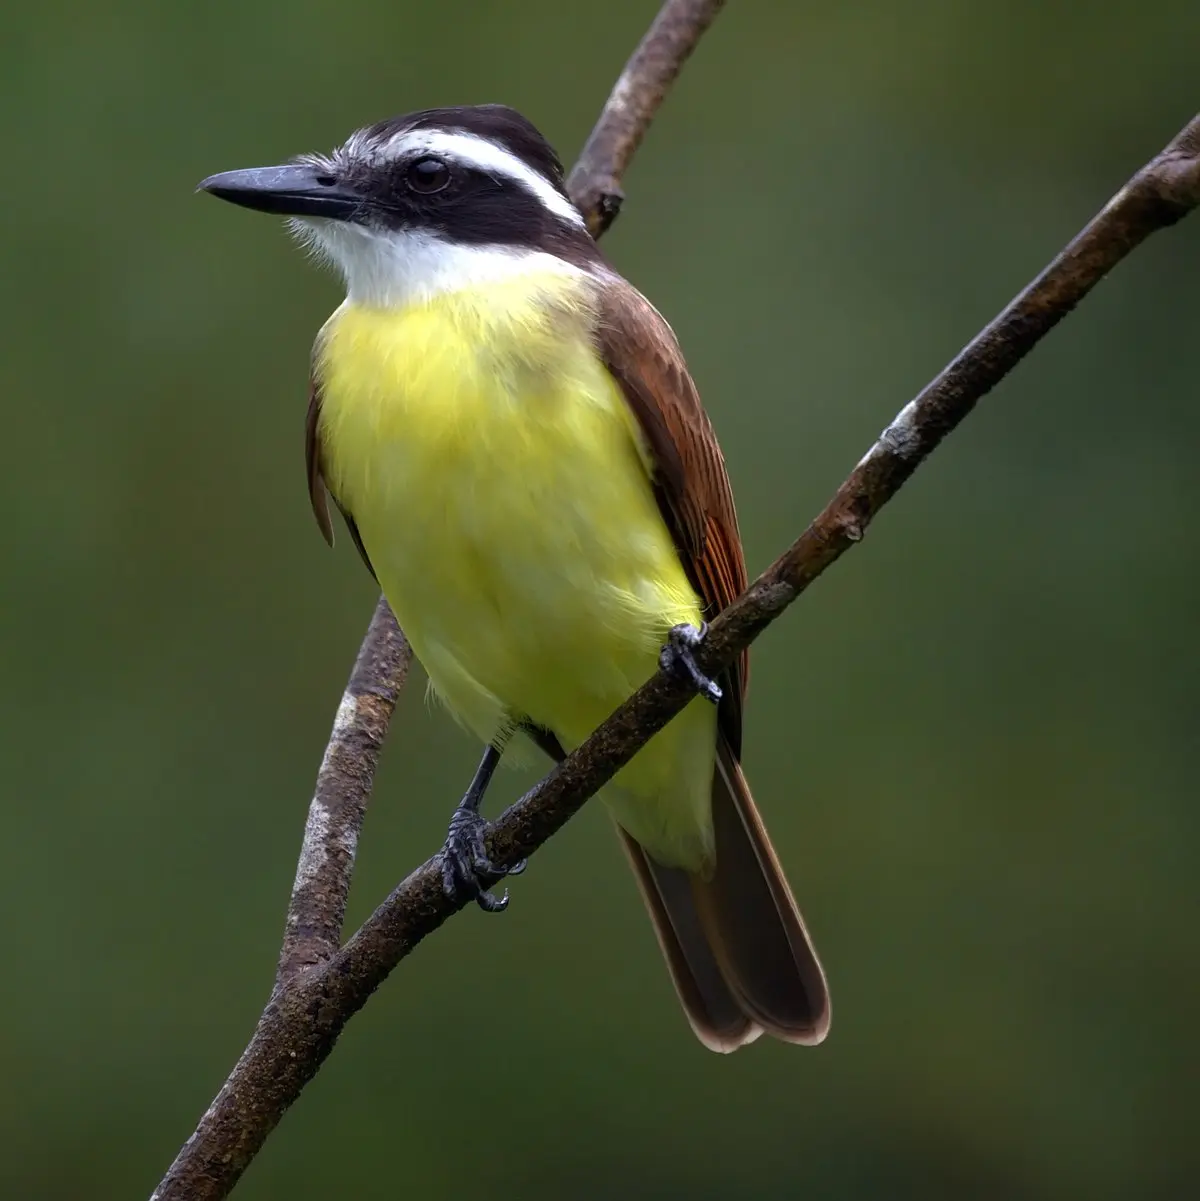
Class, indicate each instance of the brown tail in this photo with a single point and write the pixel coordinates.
(736, 946)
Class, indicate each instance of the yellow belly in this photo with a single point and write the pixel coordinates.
(494, 471)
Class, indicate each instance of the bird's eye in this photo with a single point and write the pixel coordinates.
(428, 175)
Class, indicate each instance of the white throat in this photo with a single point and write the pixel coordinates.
(394, 269)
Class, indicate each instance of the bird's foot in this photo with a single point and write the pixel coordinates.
(466, 869)
(678, 655)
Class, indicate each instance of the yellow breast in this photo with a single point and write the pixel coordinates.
(498, 483)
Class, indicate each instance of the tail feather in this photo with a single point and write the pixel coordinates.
(735, 944)
(716, 1015)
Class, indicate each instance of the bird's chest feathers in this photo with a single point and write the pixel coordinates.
(484, 450)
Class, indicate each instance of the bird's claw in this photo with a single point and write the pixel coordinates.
(466, 868)
(678, 656)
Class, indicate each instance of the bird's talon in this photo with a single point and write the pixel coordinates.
(678, 655)
(490, 903)
(466, 866)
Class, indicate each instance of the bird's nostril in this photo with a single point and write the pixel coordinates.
(326, 181)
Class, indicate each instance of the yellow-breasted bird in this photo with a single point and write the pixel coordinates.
(521, 457)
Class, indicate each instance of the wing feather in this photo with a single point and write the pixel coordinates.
(690, 480)
(318, 492)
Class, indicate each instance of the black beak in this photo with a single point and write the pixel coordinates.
(293, 191)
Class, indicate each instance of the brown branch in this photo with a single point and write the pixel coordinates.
(304, 1018)
(595, 180)
(317, 909)
(310, 1007)
(292, 1040)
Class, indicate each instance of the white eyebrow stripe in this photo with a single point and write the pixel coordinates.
(478, 152)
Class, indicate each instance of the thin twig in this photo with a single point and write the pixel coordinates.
(291, 1040)
(595, 180)
(300, 1026)
(317, 908)
(303, 1020)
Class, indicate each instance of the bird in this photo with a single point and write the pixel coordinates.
(519, 452)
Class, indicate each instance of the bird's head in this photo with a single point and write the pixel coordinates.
(416, 204)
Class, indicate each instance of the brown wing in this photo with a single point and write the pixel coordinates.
(690, 480)
(318, 492)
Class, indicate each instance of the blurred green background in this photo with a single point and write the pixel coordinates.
(975, 741)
